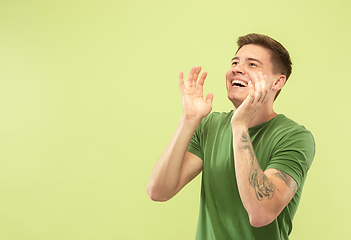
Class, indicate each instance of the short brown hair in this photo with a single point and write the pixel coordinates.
(280, 57)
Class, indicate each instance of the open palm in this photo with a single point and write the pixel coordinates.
(194, 105)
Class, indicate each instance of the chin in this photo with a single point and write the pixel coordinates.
(236, 101)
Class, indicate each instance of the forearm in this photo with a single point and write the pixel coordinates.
(168, 175)
(164, 180)
(258, 193)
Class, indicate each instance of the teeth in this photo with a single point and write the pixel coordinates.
(239, 82)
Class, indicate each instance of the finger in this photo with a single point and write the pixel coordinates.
(263, 80)
(181, 81)
(253, 79)
(201, 81)
(258, 82)
(195, 76)
(209, 99)
(189, 80)
(251, 95)
(258, 88)
(265, 87)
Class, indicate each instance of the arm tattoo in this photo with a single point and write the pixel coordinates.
(289, 181)
(257, 179)
(263, 187)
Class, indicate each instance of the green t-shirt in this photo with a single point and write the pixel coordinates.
(279, 143)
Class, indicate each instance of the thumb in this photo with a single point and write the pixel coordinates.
(209, 99)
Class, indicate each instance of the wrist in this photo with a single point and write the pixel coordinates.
(239, 124)
(190, 120)
(239, 127)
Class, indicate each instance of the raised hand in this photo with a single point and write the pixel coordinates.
(194, 105)
(259, 87)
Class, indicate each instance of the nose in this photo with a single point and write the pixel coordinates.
(238, 69)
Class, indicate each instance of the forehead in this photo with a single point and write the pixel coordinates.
(254, 51)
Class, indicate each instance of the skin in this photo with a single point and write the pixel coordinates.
(263, 193)
(176, 167)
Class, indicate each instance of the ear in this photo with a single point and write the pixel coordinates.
(279, 82)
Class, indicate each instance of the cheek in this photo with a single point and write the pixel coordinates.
(252, 73)
(229, 74)
(228, 77)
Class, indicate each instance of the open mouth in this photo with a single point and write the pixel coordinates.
(239, 83)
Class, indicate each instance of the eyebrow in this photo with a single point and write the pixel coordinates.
(248, 59)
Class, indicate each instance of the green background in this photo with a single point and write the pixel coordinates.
(89, 100)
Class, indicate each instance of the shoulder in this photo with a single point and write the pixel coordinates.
(294, 148)
(280, 127)
(284, 134)
(293, 136)
(287, 126)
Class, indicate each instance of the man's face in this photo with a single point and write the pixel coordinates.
(249, 60)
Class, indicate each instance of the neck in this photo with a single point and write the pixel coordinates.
(262, 117)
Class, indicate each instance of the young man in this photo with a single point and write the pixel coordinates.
(254, 161)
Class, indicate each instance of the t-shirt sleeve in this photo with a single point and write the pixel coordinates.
(294, 154)
(196, 142)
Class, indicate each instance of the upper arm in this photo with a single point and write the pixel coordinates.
(192, 166)
(281, 188)
(285, 185)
